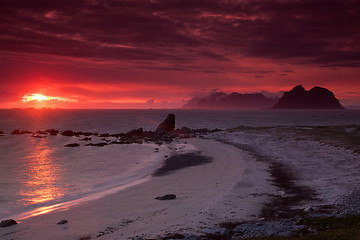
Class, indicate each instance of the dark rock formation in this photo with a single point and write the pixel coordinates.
(72, 145)
(235, 100)
(63, 222)
(315, 98)
(102, 144)
(7, 223)
(167, 125)
(166, 197)
(134, 134)
(86, 139)
(165, 133)
(52, 131)
(68, 133)
(71, 133)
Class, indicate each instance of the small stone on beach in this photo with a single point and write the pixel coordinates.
(72, 145)
(7, 223)
(63, 222)
(166, 197)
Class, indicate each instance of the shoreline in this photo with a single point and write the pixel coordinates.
(258, 182)
(283, 177)
(220, 190)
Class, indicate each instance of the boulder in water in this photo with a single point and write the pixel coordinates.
(168, 125)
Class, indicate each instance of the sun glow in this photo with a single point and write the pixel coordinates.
(36, 97)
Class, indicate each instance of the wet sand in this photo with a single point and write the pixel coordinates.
(227, 184)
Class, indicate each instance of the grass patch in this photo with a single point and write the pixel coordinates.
(325, 228)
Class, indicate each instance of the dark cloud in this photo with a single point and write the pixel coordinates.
(323, 32)
(163, 68)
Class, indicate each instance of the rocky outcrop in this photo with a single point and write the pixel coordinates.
(168, 125)
(165, 132)
(315, 98)
(7, 223)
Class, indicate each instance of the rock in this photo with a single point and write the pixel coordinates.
(68, 133)
(63, 222)
(86, 139)
(134, 134)
(97, 144)
(7, 223)
(88, 134)
(184, 135)
(168, 125)
(315, 98)
(185, 130)
(72, 145)
(166, 197)
(52, 131)
(16, 131)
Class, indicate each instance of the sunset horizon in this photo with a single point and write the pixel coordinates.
(179, 119)
(160, 54)
(40, 101)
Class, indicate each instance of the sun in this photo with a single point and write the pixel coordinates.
(36, 97)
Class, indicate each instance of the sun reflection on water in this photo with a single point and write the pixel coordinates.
(41, 176)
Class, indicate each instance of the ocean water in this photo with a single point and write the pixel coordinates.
(38, 175)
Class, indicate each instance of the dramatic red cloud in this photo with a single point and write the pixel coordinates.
(158, 54)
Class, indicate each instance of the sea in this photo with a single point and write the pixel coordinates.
(39, 175)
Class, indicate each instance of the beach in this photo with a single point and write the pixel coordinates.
(232, 187)
(236, 176)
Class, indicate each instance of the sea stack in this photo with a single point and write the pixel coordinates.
(168, 125)
(315, 98)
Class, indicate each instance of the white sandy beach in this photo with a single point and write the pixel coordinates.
(230, 188)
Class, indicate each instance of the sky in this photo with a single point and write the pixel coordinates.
(161, 53)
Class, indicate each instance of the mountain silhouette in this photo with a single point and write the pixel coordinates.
(315, 98)
(220, 100)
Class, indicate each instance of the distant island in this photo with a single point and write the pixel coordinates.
(296, 98)
(220, 100)
(315, 98)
